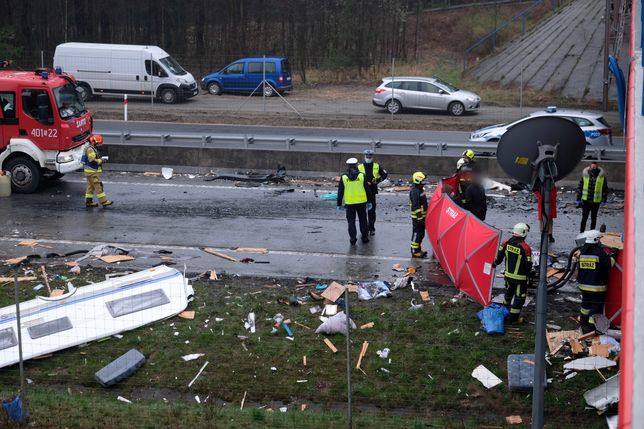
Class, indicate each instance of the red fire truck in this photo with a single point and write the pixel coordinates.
(44, 126)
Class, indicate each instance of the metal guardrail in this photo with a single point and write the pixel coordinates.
(321, 144)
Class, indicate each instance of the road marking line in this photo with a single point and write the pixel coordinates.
(218, 249)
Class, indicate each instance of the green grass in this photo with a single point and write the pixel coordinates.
(423, 343)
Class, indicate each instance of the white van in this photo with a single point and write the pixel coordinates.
(136, 70)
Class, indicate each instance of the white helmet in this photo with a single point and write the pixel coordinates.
(460, 163)
(521, 230)
(593, 236)
(352, 161)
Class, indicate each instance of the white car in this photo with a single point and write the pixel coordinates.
(598, 132)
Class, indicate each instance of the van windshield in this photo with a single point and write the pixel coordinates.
(68, 101)
(172, 65)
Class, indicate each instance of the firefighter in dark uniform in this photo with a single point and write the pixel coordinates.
(353, 193)
(518, 266)
(594, 265)
(591, 194)
(418, 206)
(92, 162)
(373, 174)
(471, 193)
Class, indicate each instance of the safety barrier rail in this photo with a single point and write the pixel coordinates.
(320, 144)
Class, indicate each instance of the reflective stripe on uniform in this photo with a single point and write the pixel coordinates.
(514, 274)
(415, 245)
(584, 311)
(354, 192)
(592, 288)
(418, 214)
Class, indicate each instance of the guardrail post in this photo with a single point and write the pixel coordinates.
(419, 146)
(289, 142)
(164, 138)
(122, 137)
(332, 144)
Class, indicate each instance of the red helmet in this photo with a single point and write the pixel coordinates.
(96, 139)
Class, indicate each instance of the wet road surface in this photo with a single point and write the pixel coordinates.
(305, 236)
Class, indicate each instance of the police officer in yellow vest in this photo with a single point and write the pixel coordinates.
(593, 265)
(93, 169)
(353, 194)
(591, 194)
(373, 174)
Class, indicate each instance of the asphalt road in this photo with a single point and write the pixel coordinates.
(305, 235)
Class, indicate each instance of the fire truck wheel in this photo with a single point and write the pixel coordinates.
(25, 174)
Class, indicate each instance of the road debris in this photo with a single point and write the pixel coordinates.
(219, 254)
(167, 173)
(249, 323)
(187, 314)
(198, 374)
(589, 363)
(605, 395)
(15, 261)
(486, 377)
(333, 292)
(384, 353)
(120, 368)
(260, 250)
(363, 351)
(20, 279)
(122, 399)
(111, 259)
(330, 345)
(372, 290)
(335, 325)
(213, 275)
(367, 325)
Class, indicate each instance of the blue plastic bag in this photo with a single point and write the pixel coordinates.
(493, 319)
(15, 410)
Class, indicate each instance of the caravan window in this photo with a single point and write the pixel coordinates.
(157, 70)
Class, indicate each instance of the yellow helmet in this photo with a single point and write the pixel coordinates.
(418, 177)
(469, 154)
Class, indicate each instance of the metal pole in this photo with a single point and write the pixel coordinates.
(606, 43)
(42, 60)
(65, 21)
(346, 310)
(151, 80)
(264, 83)
(125, 107)
(521, 89)
(22, 369)
(538, 383)
(393, 62)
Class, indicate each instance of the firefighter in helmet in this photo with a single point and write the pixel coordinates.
(467, 159)
(418, 205)
(518, 266)
(92, 162)
(594, 265)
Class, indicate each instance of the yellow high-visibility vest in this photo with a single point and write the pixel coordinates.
(597, 192)
(376, 170)
(354, 192)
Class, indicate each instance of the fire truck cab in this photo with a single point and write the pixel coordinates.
(44, 126)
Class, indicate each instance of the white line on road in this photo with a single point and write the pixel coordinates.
(193, 248)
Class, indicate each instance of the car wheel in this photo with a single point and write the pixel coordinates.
(393, 106)
(268, 91)
(85, 91)
(214, 88)
(25, 174)
(456, 108)
(168, 96)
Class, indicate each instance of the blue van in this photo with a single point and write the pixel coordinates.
(246, 74)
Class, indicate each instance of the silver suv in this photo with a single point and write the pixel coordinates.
(409, 92)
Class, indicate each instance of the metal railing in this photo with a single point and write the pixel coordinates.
(491, 36)
(319, 144)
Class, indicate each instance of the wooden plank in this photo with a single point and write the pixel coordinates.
(187, 314)
(219, 254)
(363, 351)
(602, 350)
(576, 347)
(17, 260)
(587, 336)
(367, 325)
(333, 292)
(612, 240)
(45, 278)
(252, 250)
(330, 345)
(28, 243)
(20, 279)
(111, 259)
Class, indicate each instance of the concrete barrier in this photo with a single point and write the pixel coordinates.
(255, 159)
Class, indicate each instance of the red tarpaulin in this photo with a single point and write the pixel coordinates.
(613, 308)
(464, 245)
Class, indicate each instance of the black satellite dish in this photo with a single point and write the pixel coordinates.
(518, 151)
(538, 152)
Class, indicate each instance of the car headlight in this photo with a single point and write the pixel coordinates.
(64, 158)
(182, 80)
(471, 99)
